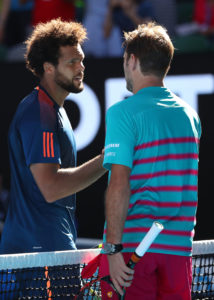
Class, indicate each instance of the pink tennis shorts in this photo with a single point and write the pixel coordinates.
(157, 277)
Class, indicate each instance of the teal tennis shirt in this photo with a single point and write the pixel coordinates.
(156, 135)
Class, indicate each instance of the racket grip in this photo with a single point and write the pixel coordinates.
(133, 260)
(131, 264)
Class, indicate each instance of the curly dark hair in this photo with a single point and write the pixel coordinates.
(47, 38)
(151, 44)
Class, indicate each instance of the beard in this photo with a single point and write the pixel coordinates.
(68, 85)
(129, 85)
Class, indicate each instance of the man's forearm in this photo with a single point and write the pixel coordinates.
(55, 183)
(117, 202)
(83, 176)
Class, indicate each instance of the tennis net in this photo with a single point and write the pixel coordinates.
(57, 275)
(203, 270)
(46, 275)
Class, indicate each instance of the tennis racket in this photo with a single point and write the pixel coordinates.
(90, 285)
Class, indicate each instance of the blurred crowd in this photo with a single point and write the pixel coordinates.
(198, 32)
(105, 21)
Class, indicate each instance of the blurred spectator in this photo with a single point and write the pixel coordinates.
(25, 13)
(204, 16)
(15, 25)
(17, 20)
(166, 14)
(97, 45)
(47, 10)
(127, 14)
(195, 26)
(4, 10)
(5, 7)
(4, 200)
(79, 10)
(202, 20)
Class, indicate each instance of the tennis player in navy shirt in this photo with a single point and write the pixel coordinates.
(44, 176)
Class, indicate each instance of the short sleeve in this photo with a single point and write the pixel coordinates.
(120, 138)
(40, 143)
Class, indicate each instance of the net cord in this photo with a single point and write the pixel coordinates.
(203, 247)
(57, 258)
(41, 259)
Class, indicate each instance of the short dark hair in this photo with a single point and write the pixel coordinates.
(45, 42)
(151, 44)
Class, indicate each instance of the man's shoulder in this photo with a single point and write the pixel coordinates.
(27, 108)
(35, 105)
(186, 106)
(123, 105)
(28, 100)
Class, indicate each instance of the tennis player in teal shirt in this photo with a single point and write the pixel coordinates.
(152, 152)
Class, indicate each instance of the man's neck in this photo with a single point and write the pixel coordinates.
(57, 93)
(146, 81)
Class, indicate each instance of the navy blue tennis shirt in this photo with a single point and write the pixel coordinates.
(39, 133)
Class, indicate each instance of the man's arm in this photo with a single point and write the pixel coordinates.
(55, 183)
(3, 17)
(116, 207)
(108, 23)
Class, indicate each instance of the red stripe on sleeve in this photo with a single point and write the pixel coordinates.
(52, 145)
(48, 145)
(44, 144)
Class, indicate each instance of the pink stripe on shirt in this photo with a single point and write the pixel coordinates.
(152, 217)
(167, 141)
(166, 189)
(160, 246)
(164, 204)
(165, 157)
(164, 173)
(165, 231)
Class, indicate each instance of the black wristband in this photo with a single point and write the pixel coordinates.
(112, 248)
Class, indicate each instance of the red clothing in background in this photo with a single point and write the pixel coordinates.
(46, 10)
(203, 14)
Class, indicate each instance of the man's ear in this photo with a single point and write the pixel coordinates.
(133, 62)
(48, 68)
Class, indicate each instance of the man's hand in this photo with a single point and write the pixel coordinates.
(120, 274)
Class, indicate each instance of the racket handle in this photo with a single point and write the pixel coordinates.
(131, 264)
(145, 244)
(149, 238)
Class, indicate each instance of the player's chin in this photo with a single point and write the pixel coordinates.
(80, 87)
(77, 89)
